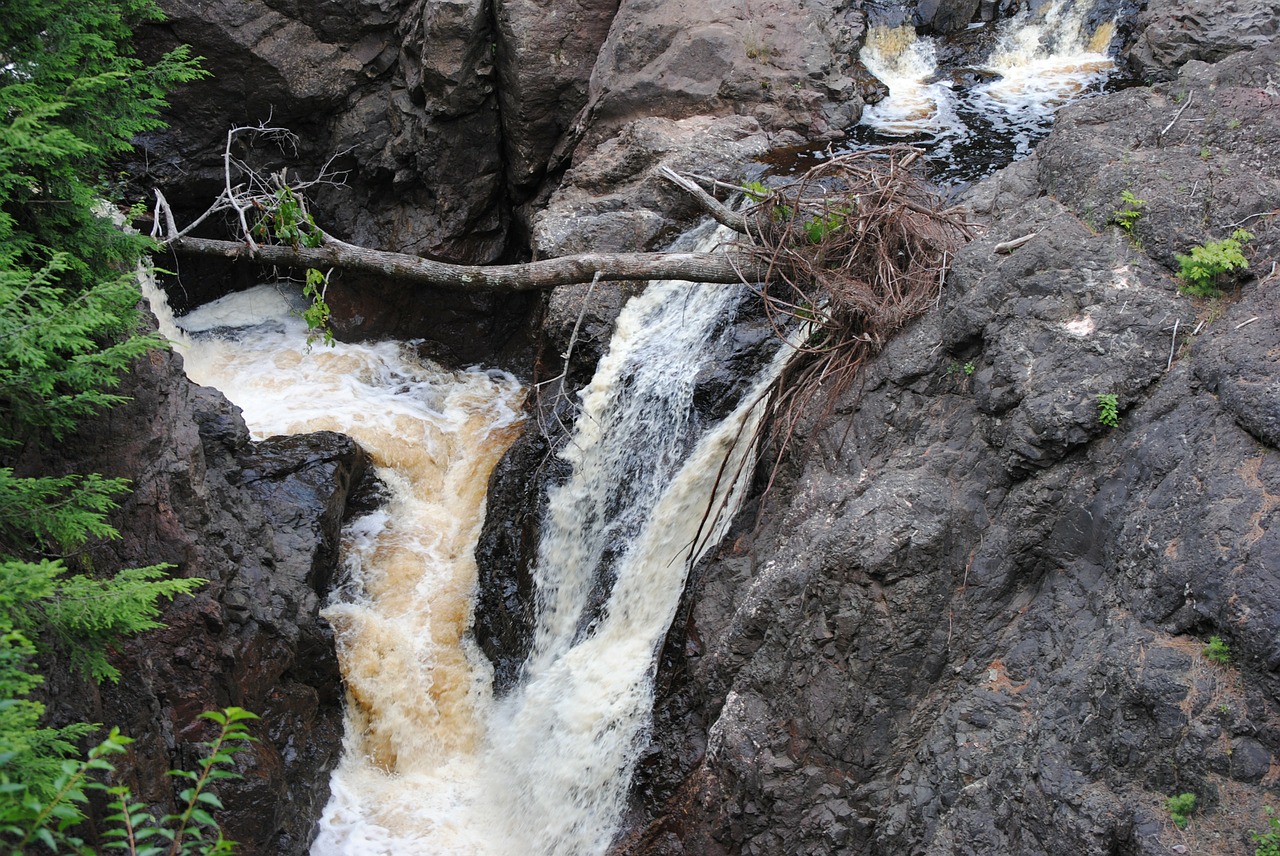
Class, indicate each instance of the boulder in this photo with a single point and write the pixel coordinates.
(1173, 34)
(260, 522)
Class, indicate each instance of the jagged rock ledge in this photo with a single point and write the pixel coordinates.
(260, 521)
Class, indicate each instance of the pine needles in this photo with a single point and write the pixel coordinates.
(856, 249)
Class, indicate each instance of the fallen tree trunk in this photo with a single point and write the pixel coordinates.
(723, 266)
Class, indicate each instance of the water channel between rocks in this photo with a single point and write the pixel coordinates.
(432, 762)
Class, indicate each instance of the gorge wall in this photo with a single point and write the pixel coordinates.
(260, 522)
(971, 620)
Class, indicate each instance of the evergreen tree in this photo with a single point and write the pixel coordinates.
(72, 98)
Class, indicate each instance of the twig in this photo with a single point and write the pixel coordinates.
(1173, 344)
(1244, 220)
(1007, 247)
(1185, 105)
(709, 203)
(1246, 323)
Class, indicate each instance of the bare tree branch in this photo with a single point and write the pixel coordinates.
(722, 267)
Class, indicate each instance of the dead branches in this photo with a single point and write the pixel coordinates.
(853, 251)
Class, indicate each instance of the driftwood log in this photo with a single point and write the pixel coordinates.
(725, 266)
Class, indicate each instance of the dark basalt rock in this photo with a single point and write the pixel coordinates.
(260, 522)
(973, 618)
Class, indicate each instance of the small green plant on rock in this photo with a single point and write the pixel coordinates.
(1180, 807)
(1205, 268)
(1217, 651)
(1109, 409)
(1269, 841)
(1127, 217)
(756, 191)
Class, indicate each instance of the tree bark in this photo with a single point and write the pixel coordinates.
(725, 266)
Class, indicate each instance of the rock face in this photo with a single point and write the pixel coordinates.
(1173, 34)
(788, 66)
(401, 92)
(974, 619)
(260, 522)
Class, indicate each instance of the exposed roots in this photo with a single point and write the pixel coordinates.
(856, 249)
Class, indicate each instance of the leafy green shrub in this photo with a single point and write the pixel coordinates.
(1180, 807)
(1269, 841)
(27, 817)
(1207, 266)
(1217, 651)
(1109, 409)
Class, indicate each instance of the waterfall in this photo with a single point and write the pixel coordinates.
(432, 762)
(919, 102)
(643, 474)
(1042, 62)
(1035, 64)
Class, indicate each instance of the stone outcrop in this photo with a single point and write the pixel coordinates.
(401, 92)
(787, 66)
(974, 618)
(1172, 34)
(260, 522)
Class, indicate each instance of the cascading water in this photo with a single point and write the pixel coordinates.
(1036, 63)
(432, 763)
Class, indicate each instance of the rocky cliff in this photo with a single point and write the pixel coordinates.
(972, 618)
(260, 522)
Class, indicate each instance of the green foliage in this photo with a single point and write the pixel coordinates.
(969, 369)
(1108, 409)
(72, 99)
(1268, 841)
(287, 220)
(1180, 807)
(1127, 216)
(1207, 266)
(318, 313)
(47, 513)
(817, 228)
(26, 818)
(1217, 651)
(756, 191)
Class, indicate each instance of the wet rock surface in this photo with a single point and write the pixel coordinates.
(260, 522)
(974, 617)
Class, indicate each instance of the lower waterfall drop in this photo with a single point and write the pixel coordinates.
(645, 472)
(432, 762)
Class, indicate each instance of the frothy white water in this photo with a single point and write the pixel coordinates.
(564, 744)
(1039, 62)
(418, 690)
(918, 102)
(1043, 62)
(432, 764)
